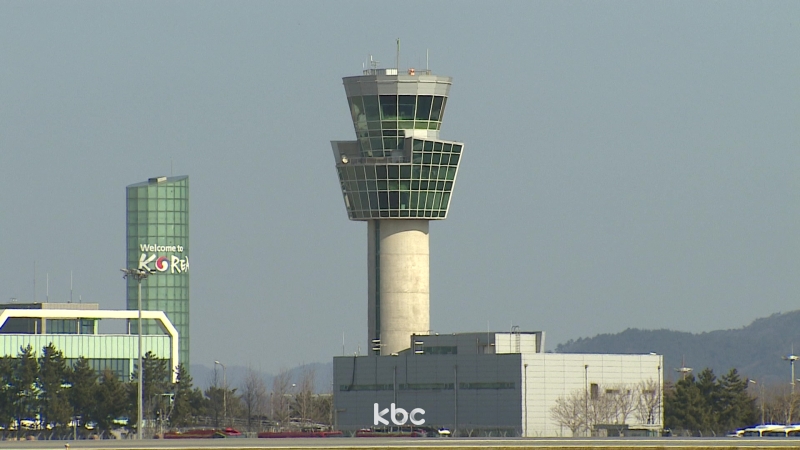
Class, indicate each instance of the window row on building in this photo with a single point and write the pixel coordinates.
(153, 205)
(428, 386)
(174, 190)
(366, 205)
(368, 177)
(378, 108)
(168, 230)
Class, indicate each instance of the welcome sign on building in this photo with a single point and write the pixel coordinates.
(153, 257)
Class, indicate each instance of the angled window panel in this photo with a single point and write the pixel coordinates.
(436, 108)
(357, 109)
(405, 107)
(423, 111)
(405, 199)
(388, 107)
(373, 200)
(445, 200)
(437, 200)
(444, 106)
(371, 107)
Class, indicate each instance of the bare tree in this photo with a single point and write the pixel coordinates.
(624, 401)
(305, 397)
(214, 393)
(280, 397)
(780, 405)
(601, 410)
(569, 411)
(648, 406)
(254, 396)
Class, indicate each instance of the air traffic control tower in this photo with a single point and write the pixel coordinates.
(397, 176)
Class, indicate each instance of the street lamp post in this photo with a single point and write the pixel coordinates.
(586, 398)
(224, 394)
(525, 400)
(138, 275)
(658, 400)
(760, 397)
(791, 358)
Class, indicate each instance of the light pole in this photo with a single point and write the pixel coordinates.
(660, 395)
(791, 358)
(760, 397)
(586, 398)
(455, 398)
(224, 394)
(525, 427)
(138, 275)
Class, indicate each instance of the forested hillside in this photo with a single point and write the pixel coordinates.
(755, 350)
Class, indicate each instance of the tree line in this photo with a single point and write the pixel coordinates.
(702, 406)
(47, 394)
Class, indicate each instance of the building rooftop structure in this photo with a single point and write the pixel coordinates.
(74, 330)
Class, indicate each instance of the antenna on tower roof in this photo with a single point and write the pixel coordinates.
(398, 56)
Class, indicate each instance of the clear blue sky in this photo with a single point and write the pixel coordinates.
(627, 164)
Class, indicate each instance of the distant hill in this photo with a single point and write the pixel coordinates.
(755, 350)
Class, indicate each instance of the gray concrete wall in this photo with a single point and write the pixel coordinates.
(399, 282)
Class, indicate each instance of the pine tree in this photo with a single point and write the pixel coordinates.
(83, 392)
(111, 400)
(182, 410)
(54, 405)
(737, 409)
(7, 391)
(24, 385)
(685, 407)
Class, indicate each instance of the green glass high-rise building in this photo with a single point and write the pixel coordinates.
(397, 176)
(158, 241)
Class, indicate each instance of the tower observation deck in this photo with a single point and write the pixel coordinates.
(397, 176)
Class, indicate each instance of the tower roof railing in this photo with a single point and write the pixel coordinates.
(393, 71)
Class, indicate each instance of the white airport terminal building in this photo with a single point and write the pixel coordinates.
(501, 384)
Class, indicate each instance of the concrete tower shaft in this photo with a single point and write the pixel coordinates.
(399, 282)
(397, 175)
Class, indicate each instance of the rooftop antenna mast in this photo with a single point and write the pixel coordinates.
(397, 66)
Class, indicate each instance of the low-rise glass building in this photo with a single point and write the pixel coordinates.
(73, 328)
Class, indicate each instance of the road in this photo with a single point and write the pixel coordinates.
(412, 443)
